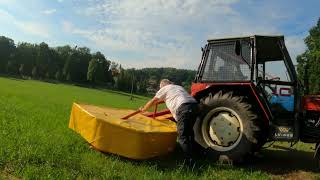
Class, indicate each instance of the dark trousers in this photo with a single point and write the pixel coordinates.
(186, 117)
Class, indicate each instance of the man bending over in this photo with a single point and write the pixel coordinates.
(184, 109)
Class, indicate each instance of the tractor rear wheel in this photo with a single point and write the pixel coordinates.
(227, 126)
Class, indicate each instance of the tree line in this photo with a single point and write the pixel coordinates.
(78, 65)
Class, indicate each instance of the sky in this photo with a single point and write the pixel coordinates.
(155, 33)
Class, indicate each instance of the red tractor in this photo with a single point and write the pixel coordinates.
(243, 106)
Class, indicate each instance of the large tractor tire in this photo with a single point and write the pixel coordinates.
(227, 126)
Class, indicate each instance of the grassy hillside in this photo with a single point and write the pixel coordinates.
(36, 142)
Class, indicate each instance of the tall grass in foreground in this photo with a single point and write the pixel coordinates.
(35, 141)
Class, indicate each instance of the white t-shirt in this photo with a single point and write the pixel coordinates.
(174, 96)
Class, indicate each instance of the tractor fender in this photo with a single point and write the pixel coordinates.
(248, 89)
(311, 103)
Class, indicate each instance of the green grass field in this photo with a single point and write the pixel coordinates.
(37, 143)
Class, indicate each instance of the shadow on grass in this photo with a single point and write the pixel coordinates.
(16, 79)
(280, 162)
(274, 162)
(175, 162)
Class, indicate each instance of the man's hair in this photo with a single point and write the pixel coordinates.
(164, 82)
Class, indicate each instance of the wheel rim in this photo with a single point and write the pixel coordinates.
(222, 129)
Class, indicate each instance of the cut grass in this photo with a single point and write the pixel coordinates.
(37, 143)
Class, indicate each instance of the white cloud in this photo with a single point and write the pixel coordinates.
(32, 28)
(48, 11)
(170, 33)
(7, 2)
(67, 26)
(155, 29)
(296, 46)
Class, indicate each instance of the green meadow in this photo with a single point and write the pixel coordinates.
(36, 143)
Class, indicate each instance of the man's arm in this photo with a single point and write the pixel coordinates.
(149, 104)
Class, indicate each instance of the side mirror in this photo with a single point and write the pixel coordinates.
(237, 48)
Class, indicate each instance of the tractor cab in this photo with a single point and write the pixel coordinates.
(258, 67)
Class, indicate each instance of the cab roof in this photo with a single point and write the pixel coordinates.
(268, 47)
(246, 37)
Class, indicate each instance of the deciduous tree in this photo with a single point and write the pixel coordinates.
(310, 60)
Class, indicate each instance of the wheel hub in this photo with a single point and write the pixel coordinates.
(224, 129)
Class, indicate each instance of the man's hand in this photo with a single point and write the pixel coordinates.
(150, 103)
(142, 109)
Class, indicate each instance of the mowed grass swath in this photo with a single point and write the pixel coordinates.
(37, 143)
